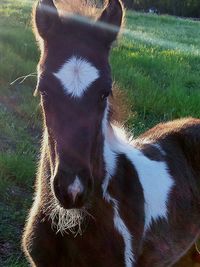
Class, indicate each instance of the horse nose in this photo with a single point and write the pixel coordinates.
(75, 189)
(70, 190)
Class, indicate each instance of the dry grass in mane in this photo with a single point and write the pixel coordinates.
(88, 8)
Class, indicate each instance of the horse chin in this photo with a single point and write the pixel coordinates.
(66, 221)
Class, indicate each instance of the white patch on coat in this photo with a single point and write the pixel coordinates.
(120, 227)
(76, 76)
(154, 176)
(123, 230)
(109, 155)
(110, 160)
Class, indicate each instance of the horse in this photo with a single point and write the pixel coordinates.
(103, 198)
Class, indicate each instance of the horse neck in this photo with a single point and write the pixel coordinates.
(115, 141)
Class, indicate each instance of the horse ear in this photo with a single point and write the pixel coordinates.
(111, 19)
(45, 17)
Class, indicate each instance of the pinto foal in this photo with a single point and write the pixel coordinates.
(102, 200)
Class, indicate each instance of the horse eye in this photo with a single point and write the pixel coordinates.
(105, 95)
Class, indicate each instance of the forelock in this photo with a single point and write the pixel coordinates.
(88, 8)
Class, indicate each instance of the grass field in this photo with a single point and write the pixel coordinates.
(156, 66)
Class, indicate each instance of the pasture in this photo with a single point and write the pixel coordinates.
(156, 68)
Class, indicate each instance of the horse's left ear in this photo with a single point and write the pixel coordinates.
(111, 19)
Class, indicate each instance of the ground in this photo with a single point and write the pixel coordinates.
(156, 71)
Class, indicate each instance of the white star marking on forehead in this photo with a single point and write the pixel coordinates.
(76, 75)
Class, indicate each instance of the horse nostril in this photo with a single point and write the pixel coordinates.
(75, 189)
(69, 195)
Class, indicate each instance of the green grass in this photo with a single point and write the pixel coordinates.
(19, 124)
(160, 56)
(156, 65)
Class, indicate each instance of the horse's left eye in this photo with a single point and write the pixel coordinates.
(105, 95)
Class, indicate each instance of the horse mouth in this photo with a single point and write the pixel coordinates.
(67, 221)
(72, 205)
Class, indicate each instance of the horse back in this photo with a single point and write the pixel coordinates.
(178, 145)
(180, 140)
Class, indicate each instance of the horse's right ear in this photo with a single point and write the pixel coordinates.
(45, 17)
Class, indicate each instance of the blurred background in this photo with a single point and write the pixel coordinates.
(183, 8)
(156, 73)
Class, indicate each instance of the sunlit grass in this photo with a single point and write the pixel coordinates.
(165, 31)
(162, 81)
(19, 124)
(156, 65)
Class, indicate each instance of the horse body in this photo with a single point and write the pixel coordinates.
(105, 242)
(102, 199)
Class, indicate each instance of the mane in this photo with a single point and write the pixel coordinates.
(88, 8)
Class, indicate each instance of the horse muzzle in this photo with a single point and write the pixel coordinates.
(72, 189)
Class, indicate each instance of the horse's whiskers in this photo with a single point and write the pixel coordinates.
(65, 221)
